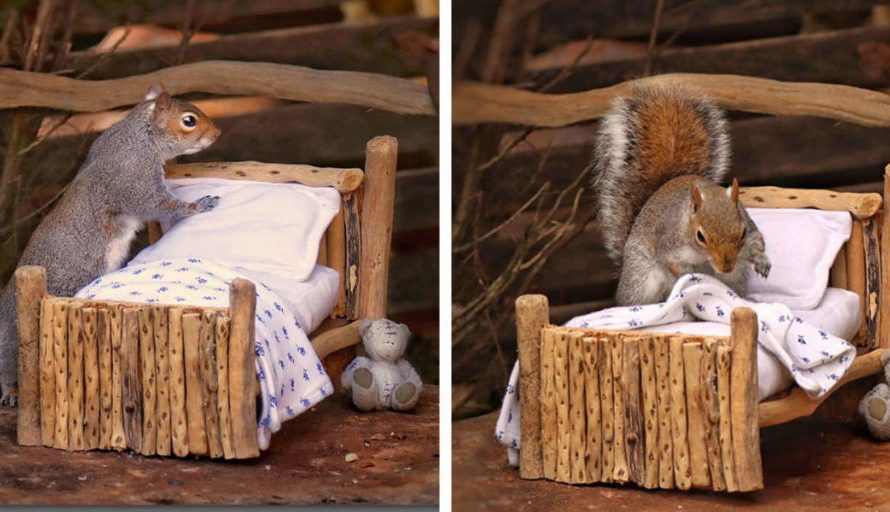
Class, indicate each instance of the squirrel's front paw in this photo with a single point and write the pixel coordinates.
(762, 265)
(206, 203)
(8, 395)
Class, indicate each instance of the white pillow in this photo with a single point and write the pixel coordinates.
(310, 300)
(802, 245)
(268, 227)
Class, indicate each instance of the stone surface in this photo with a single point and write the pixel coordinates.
(807, 466)
(399, 464)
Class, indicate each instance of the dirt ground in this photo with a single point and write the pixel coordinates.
(807, 466)
(398, 464)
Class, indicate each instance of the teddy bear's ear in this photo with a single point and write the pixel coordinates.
(363, 325)
(405, 328)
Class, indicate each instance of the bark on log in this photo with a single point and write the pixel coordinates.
(532, 314)
(222, 374)
(563, 420)
(30, 283)
(475, 103)
(344, 180)
(745, 432)
(191, 336)
(633, 412)
(724, 358)
(650, 411)
(577, 410)
(103, 324)
(118, 432)
(149, 382)
(162, 356)
(47, 374)
(210, 383)
(607, 408)
(679, 426)
(75, 376)
(663, 397)
(594, 418)
(92, 399)
(549, 451)
(132, 384)
(242, 369)
(620, 470)
(60, 358)
(178, 417)
(698, 452)
(711, 413)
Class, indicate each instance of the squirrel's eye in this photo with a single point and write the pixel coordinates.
(189, 121)
(700, 236)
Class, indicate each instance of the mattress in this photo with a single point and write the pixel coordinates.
(838, 313)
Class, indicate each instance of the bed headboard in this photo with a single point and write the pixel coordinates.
(863, 263)
(357, 242)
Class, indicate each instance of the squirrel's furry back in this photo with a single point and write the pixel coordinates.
(645, 140)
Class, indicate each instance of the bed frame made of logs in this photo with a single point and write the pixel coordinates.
(179, 381)
(679, 411)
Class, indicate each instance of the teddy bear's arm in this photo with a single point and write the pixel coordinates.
(408, 373)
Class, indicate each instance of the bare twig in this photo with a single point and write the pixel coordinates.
(64, 46)
(8, 230)
(8, 31)
(106, 55)
(40, 36)
(653, 36)
(39, 140)
(188, 30)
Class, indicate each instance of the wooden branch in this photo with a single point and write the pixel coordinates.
(376, 225)
(798, 404)
(242, 368)
(331, 341)
(532, 314)
(344, 180)
(30, 283)
(484, 103)
(743, 400)
(20, 89)
(860, 206)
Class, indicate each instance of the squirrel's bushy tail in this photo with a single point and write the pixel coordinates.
(645, 140)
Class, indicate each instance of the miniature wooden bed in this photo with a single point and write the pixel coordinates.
(679, 411)
(166, 380)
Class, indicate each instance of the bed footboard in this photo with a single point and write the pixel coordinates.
(154, 379)
(660, 411)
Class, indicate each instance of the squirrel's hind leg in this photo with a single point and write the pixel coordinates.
(643, 281)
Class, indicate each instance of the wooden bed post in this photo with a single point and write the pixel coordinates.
(743, 399)
(376, 232)
(532, 314)
(242, 370)
(30, 285)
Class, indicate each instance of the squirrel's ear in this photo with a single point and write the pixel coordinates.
(163, 102)
(154, 91)
(696, 197)
(733, 191)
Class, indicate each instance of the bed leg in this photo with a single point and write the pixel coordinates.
(30, 285)
(377, 213)
(532, 314)
(242, 368)
(743, 400)
(883, 336)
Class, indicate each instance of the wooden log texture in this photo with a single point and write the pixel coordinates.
(883, 340)
(118, 430)
(60, 359)
(856, 275)
(353, 253)
(871, 239)
(838, 274)
(47, 374)
(91, 379)
(222, 375)
(344, 180)
(336, 237)
(210, 383)
(30, 283)
(532, 314)
(75, 376)
(698, 451)
(361, 47)
(679, 425)
(242, 368)
(162, 372)
(724, 361)
(711, 412)
(549, 451)
(634, 433)
(103, 336)
(620, 470)
(149, 382)
(178, 417)
(648, 391)
(475, 103)
(594, 434)
(577, 409)
(191, 336)
(663, 398)
(743, 397)
(131, 381)
(376, 221)
(294, 83)
(607, 407)
(861, 206)
(563, 420)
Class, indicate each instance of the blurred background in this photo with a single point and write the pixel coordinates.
(102, 39)
(521, 199)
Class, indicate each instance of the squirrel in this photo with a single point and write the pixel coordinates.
(119, 187)
(659, 155)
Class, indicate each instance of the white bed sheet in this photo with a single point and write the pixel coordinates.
(838, 313)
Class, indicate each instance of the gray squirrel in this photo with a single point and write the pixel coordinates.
(118, 188)
(658, 158)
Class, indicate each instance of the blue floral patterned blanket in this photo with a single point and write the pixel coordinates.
(815, 358)
(291, 377)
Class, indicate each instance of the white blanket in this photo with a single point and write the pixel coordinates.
(292, 379)
(816, 359)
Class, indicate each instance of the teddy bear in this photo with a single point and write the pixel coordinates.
(875, 405)
(383, 380)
